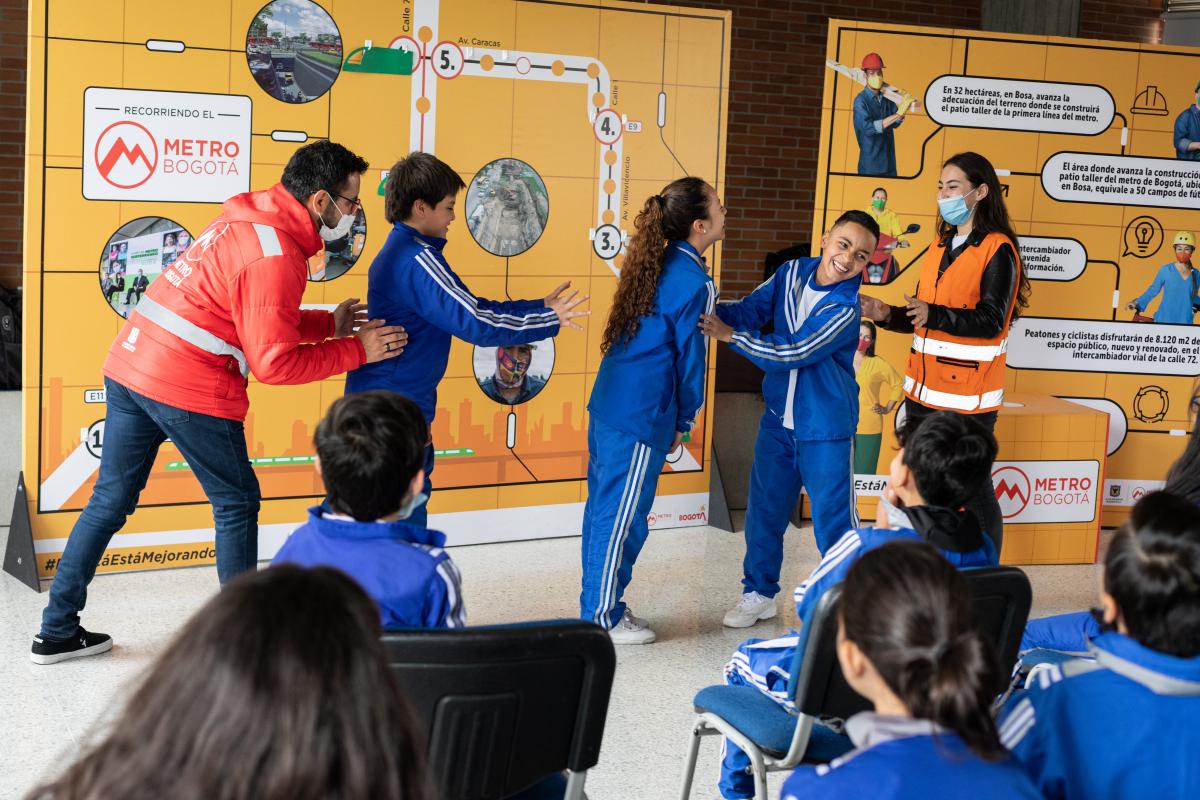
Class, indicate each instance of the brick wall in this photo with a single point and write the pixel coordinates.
(1121, 20)
(13, 15)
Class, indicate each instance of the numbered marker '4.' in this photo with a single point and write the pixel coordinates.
(607, 241)
(608, 126)
(93, 438)
(448, 60)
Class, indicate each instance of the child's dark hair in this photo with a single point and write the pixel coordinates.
(420, 176)
(858, 218)
(665, 216)
(321, 165)
(1152, 571)
(909, 611)
(950, 456)
(370, 445)
(866, 323)
(990, 215)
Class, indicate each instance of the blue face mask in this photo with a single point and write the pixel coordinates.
(414, 502)
(954, 209)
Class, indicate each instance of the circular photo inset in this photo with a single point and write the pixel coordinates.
(294, 50)
(514, 375)
(340, 254)
(135, 256)
(507, 207)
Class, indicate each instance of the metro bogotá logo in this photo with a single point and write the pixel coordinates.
(126, 154)
(1012, 490)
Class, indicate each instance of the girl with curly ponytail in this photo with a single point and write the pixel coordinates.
(648, 390)
(907, 643)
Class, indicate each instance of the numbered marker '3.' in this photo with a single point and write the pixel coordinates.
(448, 60)
(607, 241)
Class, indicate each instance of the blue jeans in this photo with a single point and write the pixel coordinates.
(134, 427)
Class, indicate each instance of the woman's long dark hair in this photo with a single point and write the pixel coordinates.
(1183, 479)
(1152, 572)
(866, 323)
(666, 216)
(990, 215)
(277, 688)
(909, 611)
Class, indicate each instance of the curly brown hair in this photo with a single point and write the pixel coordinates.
(665, 216)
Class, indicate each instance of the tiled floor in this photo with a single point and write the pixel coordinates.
(684, 582)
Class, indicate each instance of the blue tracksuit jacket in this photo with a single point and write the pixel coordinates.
(401, 566)
(653, 384)
(766, 663)
(899, 758)
(1122, 727)
(809, 382)
(411, 284)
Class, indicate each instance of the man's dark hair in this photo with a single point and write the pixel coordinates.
(320, 165)
(950, 456)
(420, 176)
(859, 218)
(370, 445)
(1152, 571)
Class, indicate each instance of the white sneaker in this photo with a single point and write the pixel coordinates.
(632, 630)
(749, 610)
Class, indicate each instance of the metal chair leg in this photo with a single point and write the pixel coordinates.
(575, 782)
(689, 769)
(760, 775)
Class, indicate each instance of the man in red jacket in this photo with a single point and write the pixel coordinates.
(227, 307)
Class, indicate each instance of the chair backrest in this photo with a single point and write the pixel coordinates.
(1002, 598)
(506, 705)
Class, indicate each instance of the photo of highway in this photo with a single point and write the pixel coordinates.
(294, 50)
(507, 207)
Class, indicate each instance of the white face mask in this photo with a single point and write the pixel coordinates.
(342, 228)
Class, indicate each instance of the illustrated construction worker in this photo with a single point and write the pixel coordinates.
(875, 120)
(1179, 283)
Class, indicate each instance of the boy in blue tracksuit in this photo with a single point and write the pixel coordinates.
(811, 397)
(942, 459)
(411, 280)
(1123, 725)
(370, 448)
(648, 390)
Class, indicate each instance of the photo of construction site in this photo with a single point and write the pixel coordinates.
(294, 50)
(507, 207)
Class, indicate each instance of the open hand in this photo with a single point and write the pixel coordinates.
(563, 306)
(712, 326)
(873, 308)
(918, 311)
(348, 315)
(381, 341)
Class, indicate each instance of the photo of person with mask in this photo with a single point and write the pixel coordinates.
(875, 120)
(1187, 130)
(970, 289)
(511, 382)
(873, 374)
(1179, 283)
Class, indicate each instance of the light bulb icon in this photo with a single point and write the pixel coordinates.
(1143, 234)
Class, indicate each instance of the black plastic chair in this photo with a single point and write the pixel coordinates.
(776, 740)
(509, 705)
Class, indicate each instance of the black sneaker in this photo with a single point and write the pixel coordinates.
(48, 650)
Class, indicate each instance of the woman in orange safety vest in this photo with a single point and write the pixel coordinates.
(970, 289)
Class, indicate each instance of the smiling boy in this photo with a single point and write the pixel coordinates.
(811, 397)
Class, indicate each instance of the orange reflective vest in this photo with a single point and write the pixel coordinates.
(955, 372)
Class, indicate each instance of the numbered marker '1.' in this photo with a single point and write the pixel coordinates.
(608, 126)
(448, 60)
(607, 242)
(93, 439)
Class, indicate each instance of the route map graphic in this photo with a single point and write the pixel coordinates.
(561, 116)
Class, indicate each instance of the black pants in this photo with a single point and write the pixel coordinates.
(983, 504)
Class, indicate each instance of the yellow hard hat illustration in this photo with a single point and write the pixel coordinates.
(1185, 237)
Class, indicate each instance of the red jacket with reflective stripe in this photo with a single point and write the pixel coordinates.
(242, 280)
